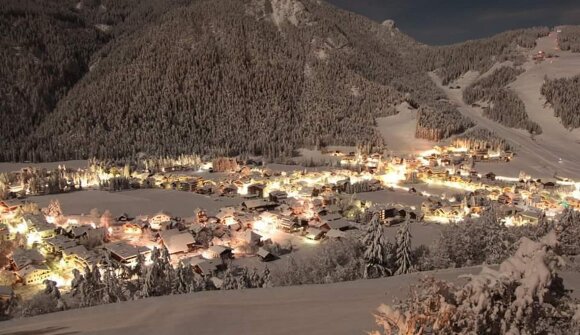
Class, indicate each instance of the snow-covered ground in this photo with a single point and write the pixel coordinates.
(137, 202)
(540, 156)
(398, 132)
(555, 139)
(392, 197)
(342, 308)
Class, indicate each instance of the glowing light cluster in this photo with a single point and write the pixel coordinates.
(576, 192)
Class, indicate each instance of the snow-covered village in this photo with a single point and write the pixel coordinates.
(289, 167)
(258, 221)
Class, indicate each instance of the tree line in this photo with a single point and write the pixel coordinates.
(505, 106)
(569, 38)
(564, 96)
(481, 138)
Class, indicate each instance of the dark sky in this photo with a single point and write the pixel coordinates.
(450, 21)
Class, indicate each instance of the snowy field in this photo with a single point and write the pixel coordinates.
(392, 197)
(342, 308)
(136, 202)
(398, 131)
(423, 233)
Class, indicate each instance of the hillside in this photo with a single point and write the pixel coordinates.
(554, 150)
(231, 77)
(44, 50)
(225, 78)
(342, 308)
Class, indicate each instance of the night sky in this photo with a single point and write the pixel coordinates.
(450, 21)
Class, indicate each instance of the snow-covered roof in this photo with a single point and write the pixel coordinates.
(335, 233)
(61, 242)
(217, 250)
(264, 253)
(339, 224)
(79, 251)
(29, 269)
(314, 233)
(124, 250)
(257, 203)
(176, 241)
(250, 236)
(330, 217)
(24, 257)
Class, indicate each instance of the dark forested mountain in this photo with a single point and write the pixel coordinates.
(45, 49)
(111, 78)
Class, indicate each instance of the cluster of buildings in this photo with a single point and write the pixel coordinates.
(309, 206)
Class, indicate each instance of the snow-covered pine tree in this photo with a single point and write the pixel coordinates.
(184, 279)
(199, 283)
(151, 275)
(52, 291)
(524, 296)
(112, 285)
(54, 209)
(266, 278)
(91, 289)
(568, 230)
(76, 282)
(404, 262)
(229, 281)
(374, 255)
(256, 280)
(158, 279)
(243, 279)
(496, 247)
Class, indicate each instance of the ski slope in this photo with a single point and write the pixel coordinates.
(555, 151)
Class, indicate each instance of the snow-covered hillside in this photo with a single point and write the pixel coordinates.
(555, 150)
(343, 308)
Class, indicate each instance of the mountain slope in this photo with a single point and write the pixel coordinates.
(45, 49)
(232, 77)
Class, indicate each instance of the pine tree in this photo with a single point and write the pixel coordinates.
(54, 209)
(256, 280)
(184, 280)
(91, 289)
(243, 280)
(374, 255)
(404, 262)
(199, 283)
(159, 276)
(53, 292)
(229, 281)
(568, 230)
(112, 285)
(76, 282)
(266, 278)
